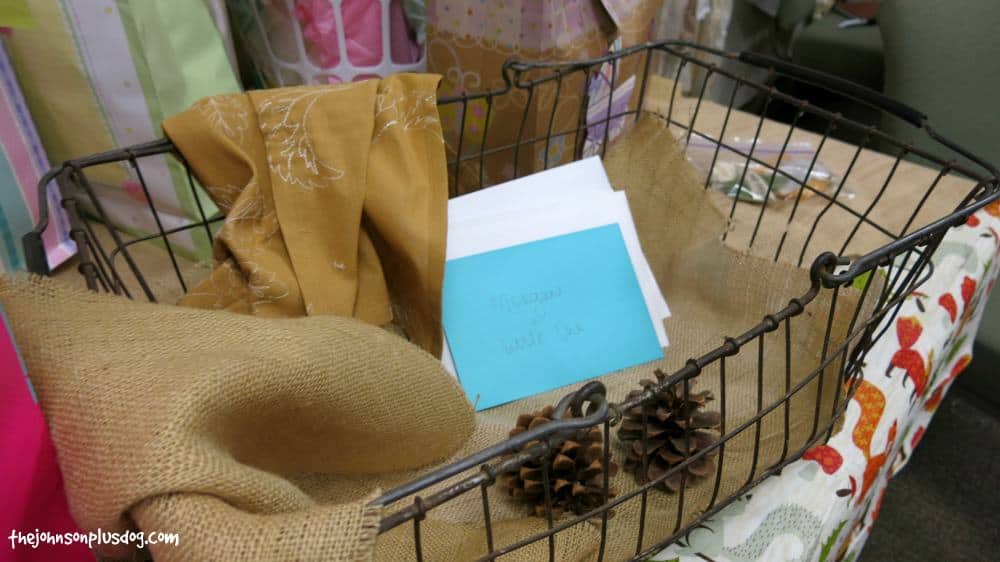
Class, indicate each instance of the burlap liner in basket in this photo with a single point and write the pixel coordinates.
(713, 291)
(249, 436)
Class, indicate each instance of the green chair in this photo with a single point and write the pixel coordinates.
(853, 53)
(943, 58)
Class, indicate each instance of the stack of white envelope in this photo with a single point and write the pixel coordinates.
(562, 200)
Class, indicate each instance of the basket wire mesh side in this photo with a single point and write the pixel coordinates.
(882, 274)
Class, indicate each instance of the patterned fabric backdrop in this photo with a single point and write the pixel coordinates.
(823, 506)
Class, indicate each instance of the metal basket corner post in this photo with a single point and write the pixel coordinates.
(106, 261)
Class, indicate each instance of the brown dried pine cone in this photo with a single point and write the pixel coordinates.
(675, 429)
(576, 471)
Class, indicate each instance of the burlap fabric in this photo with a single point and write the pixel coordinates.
(181, 420)
(713, 291)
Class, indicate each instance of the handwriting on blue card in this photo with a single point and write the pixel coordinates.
(537, 316)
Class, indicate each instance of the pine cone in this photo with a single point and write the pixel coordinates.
(675, 429)
(576, 471)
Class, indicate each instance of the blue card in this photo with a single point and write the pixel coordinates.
(536, 316)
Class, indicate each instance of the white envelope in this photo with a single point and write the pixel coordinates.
(558, 201)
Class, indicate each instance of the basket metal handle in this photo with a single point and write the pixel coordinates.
(862, 93)
(35, 258)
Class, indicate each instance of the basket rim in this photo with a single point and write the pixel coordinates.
(828, 271)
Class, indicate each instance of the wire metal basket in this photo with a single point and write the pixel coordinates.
(902, 261)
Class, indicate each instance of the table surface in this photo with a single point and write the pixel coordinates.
(892, 210)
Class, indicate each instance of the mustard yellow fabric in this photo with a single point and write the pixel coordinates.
(335, 200)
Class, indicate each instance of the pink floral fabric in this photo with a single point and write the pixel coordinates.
(362, 32)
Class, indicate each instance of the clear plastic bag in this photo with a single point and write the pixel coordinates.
(756, 182)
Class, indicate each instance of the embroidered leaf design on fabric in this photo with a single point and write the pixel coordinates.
(412, 110)
(227, 114)
(283, 119)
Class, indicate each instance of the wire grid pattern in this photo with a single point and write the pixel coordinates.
(903, 262)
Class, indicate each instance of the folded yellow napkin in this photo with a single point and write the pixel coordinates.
(335, 200)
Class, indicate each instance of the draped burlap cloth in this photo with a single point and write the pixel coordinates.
(263, 439)
(181, 420)
(335, 200)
